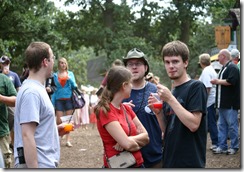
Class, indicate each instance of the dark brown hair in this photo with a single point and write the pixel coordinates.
(176, 48)
(117, 75)
(35, 53)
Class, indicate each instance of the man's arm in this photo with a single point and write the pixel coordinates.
(220, 82)
(190, 119)
(29, 144)
(8, 100)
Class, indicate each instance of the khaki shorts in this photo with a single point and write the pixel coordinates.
(11, 118)
(4, 145)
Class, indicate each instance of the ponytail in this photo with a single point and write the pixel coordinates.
(103, 104)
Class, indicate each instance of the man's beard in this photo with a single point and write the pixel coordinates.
(137, 78)
(173, 77)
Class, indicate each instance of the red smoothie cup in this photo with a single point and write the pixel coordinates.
(158, 105)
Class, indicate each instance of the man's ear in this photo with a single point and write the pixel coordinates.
(146, 67)
(186, 64)
(45, 62)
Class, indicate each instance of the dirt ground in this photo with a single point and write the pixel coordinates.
(87, 152)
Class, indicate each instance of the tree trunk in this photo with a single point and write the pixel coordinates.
(108, 14)
(185, 29)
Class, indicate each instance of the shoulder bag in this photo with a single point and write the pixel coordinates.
(124, 159)
(78, 99)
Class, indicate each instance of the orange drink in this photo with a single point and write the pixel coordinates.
(68, 127)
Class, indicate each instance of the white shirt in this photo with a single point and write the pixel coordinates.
(207, 75)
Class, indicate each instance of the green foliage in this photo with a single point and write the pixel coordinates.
(21, 23)
(77, 61)
(103, 28)
(219, 10)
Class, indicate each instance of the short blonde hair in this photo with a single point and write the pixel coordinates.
(205, 59)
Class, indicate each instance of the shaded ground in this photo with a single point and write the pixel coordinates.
(87, 152)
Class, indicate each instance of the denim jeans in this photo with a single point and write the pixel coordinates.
(228, 126)
(212, 124)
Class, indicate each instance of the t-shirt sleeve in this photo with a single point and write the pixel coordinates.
(30, 108)
(197, 100)
(17, 82)
(233, 76)
(105, 119)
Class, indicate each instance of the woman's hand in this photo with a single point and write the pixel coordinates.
(118, 147)
(48, 89)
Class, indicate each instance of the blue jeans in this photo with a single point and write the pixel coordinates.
(228, 125)
(212, 124)
(63, 105)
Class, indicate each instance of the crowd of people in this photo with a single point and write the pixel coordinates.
(36, 106)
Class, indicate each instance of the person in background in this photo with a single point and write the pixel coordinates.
(84, 112)
(93, 102)
(235, 54)
(137, 63)
(184, 111)
(36, 133)
(156, 79)
(7, 98)
(25, 73)
(208, 73)
(116, 62)
(149, 77)
(228, 104)
(64, 80)
(50, 86)
(152, 78)
(118, 125)
(14, 77)
(5, 69)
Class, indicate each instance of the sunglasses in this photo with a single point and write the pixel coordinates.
(5, 59)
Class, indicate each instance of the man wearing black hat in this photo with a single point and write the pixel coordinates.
(14, 77)
(137, 63)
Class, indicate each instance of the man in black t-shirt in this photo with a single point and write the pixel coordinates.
(184, 110)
